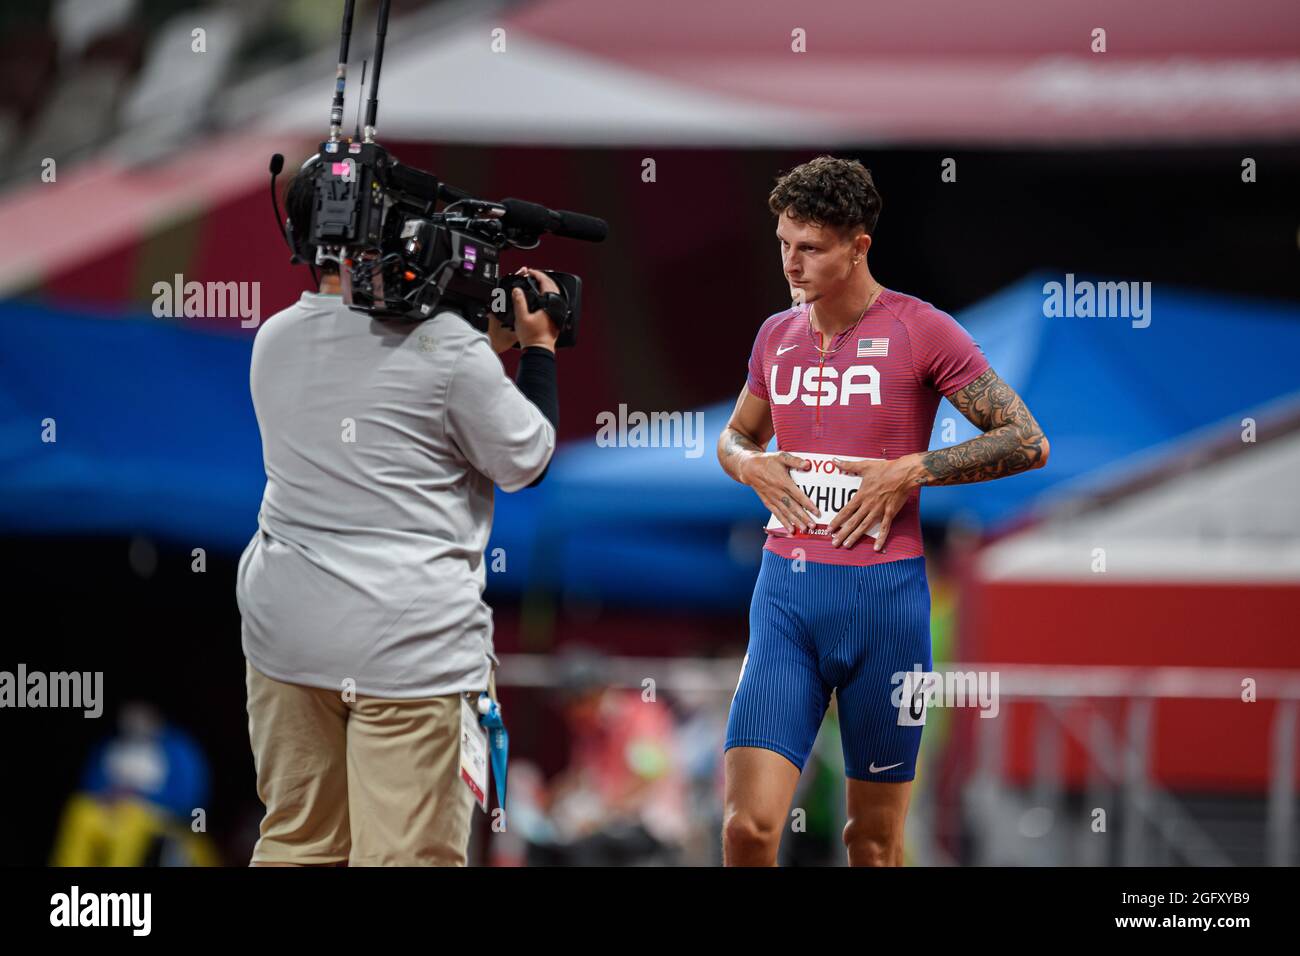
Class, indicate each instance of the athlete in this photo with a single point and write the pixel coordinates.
(848, 379)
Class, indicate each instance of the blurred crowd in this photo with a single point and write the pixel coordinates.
(643, 782)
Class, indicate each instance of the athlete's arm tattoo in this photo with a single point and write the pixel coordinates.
(733, 448)
(1012, 441)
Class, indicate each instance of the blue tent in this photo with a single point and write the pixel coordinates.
(152, 422)
(156, 435)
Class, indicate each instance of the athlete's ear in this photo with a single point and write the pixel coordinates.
(861, 243)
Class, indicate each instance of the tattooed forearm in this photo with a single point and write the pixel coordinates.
(733, 441)
(1012, 441)
(994, 454)
(733, 448)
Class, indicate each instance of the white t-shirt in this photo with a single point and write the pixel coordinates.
(381, 442)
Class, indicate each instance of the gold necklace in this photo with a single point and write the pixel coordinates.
(879, 289)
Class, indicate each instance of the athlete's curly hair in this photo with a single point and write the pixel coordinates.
(829, 192)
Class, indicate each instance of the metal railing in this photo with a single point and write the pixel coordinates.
(1123, 759)
(1155, 823)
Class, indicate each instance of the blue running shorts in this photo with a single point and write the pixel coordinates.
(837, 628)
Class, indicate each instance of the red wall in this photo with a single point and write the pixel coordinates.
(1197, 744)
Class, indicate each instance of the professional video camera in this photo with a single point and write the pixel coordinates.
(398, 258)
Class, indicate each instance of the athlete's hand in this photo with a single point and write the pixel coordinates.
(534, 328)
(883, 492)
(768, 473)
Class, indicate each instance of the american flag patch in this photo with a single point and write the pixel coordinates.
(868, 348)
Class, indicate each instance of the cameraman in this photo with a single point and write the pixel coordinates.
(363, 622)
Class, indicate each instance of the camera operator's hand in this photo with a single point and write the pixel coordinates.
(501, 337)
(534, 328)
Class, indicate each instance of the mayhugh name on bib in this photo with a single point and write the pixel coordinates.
(827, 487)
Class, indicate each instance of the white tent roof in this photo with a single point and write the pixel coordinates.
(1232, 519)
(727, 72)
(536, 92)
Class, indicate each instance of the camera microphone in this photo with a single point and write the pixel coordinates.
(533, 218)
(281, 225)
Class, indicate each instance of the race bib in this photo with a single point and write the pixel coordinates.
(828, 488)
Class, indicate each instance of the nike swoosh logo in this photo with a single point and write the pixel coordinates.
(786, 349)
(874, 769)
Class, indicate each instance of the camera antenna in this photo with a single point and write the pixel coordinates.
(356, 138)
(372, 106)
(340, 77)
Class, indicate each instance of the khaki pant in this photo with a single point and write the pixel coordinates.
(373, 782)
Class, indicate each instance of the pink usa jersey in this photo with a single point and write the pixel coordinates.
(875, 396)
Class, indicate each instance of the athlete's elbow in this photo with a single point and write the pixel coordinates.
(724, 446)
(1042, 448)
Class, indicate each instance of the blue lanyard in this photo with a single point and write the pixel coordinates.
(499, 741)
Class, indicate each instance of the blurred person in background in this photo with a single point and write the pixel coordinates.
(363, 622)
(142, 799)
(851, 369)
(815, 834)
(621, 798)
(702, 720)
